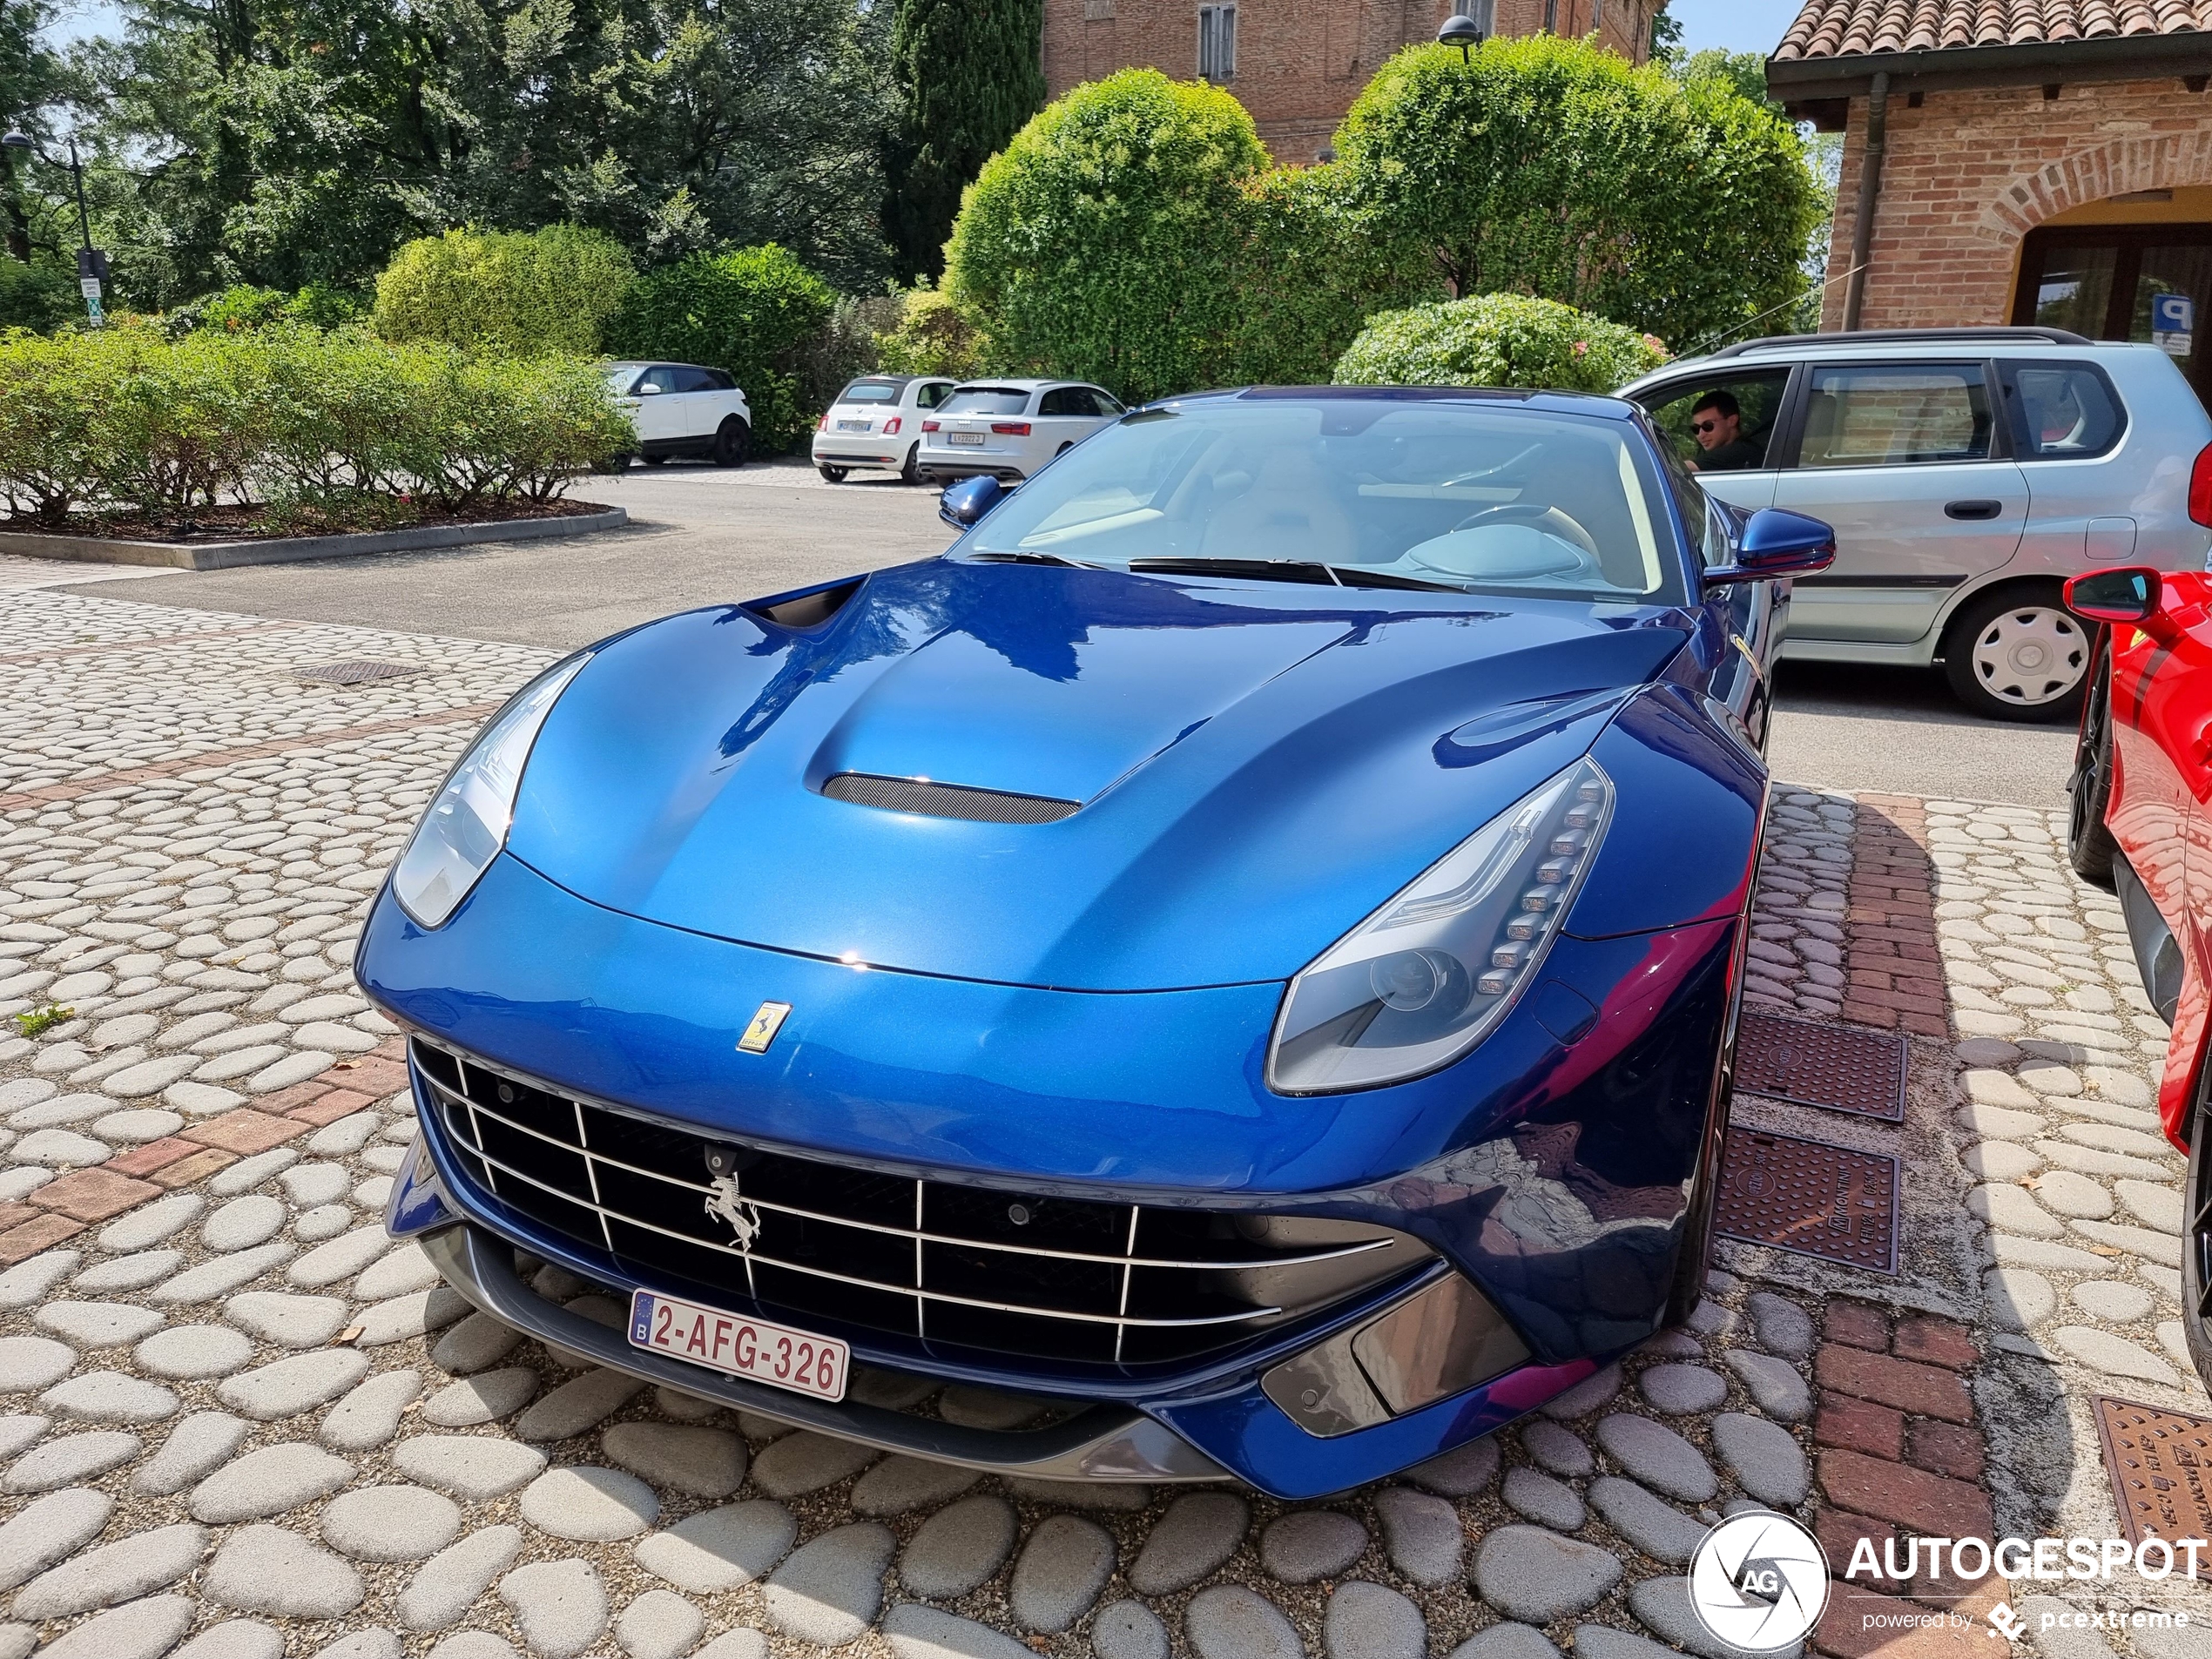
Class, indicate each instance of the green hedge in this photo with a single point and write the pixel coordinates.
(337, 427)
(1101, 243)
(756, 312)
(518, 293)
(1497, 340)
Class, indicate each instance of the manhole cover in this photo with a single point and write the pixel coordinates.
(1809, 1197)
(1861, 1072)
(2161, 1464)
(361, 673)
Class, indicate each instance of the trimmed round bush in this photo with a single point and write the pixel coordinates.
(1549, 167)
(752, 311)
(519, 294)
(1102, 243)
(1497, 340)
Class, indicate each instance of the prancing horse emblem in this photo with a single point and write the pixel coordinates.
(727, 1203)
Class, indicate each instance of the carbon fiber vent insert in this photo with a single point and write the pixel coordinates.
(946, 800)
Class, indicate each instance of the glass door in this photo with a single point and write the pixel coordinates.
(2108, 281)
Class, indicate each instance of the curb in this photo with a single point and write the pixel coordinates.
(219, 556)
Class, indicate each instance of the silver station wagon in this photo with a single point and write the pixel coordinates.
(1967, 473)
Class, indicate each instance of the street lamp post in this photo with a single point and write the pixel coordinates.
(1461, 31)
(91, 263)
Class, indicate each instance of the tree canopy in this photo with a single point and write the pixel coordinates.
(967, 76)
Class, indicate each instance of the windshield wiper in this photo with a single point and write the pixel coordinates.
(1022, 556)
(1260, 569)
(1306, 571)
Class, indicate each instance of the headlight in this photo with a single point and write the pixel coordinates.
(466, 824)
(1430, 974)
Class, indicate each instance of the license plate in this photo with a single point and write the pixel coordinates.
(975, 438)
(851, 426)
(754, 1349)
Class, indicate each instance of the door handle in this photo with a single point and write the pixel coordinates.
(1973, 508)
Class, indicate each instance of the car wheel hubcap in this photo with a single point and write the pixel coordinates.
(2031, 656)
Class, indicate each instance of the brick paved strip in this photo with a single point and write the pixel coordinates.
(245, 1131)
(46, 794)
(1895, 973)
(21, 1243)
(1925, 1391)
(93, 1195)
(108, 646)
(198, 1167)
(1932, 1505)
(1858, 1623)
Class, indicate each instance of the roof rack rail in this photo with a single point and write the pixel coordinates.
(1890, 336)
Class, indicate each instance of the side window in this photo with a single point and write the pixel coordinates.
(2061, 411)
(697, 379)
(1896, 415)
(932, 394)
(661, 379)
(1065, 400)
(1103, 404)
(1724, 424)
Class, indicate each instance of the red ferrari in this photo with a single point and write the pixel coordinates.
(2140, 822)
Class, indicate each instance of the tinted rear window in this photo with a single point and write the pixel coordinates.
(987, 400)
(870, 392)
(2061, 411)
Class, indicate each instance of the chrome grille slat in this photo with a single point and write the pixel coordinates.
(923, 1294)
(917, 1232)
(1067, 1280)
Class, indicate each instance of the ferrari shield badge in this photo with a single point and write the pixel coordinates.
(767, 1019)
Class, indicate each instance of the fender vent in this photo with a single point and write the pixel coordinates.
(946, 800)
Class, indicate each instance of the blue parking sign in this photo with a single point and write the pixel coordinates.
(2172, 314)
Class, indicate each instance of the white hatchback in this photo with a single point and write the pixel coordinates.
(1009, 428)
(876, 421)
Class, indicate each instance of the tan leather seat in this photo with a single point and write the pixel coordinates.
(1287, 514)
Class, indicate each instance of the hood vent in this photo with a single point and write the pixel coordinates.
(808, 610)
(946, 800)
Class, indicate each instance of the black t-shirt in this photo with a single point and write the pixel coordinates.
(1733, 456)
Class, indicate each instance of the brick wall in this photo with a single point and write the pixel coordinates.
(1969, 174)
(1299, 62)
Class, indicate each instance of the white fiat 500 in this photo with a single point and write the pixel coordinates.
(876, 421)
(683, 409)
(1008, 428)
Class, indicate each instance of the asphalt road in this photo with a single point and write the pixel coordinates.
(701, 534)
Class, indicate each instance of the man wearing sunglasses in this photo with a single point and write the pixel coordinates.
(1717, 424)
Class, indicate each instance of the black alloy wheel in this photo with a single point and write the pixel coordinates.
(1689, 1287)
(2196, 1236)
(911, 473)
(731, 444)
(833, 474)
(656, 460)
(2089, 845)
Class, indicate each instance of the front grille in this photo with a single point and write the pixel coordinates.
(940, 1266)
(947, 800)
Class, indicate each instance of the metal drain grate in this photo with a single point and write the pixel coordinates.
(1859, 1072)
(1809, 1197)
(2161, 1464)
(357, 673)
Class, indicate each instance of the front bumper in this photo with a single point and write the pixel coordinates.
(1549, 1169)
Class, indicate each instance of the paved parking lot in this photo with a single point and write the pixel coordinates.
(238, 1424)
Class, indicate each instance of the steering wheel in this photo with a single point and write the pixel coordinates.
(1550, 520)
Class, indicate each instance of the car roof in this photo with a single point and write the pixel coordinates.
(893, 380)
(662, 362)
(1598, 403)
(1020, 383)
(1908, 343)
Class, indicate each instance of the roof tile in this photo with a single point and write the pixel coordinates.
(1849, 28)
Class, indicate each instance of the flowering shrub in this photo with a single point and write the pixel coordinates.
(1497, 340)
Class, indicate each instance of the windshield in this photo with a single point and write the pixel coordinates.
(870, 392)
(986, 400)
(619, 378)
(1487, 497)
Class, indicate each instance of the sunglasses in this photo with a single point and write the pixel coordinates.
(1704, 426)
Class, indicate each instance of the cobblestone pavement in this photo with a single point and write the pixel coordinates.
(236, 1423)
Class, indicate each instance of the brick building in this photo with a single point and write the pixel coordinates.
(1296, 64)
(2016, 161)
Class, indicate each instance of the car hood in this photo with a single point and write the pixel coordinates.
(1256, 767)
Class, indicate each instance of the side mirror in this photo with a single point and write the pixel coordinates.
(647, 389)
(1774, 544)
(964, 504)
(2123, 596)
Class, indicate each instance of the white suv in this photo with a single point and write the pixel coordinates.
(1008, 428)
(1967, 473)
(683, 409)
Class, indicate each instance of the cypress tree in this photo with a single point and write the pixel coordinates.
(969, 74)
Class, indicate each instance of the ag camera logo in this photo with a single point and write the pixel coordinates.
(1758, 1582)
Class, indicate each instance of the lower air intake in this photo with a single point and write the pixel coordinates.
(946, 800)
